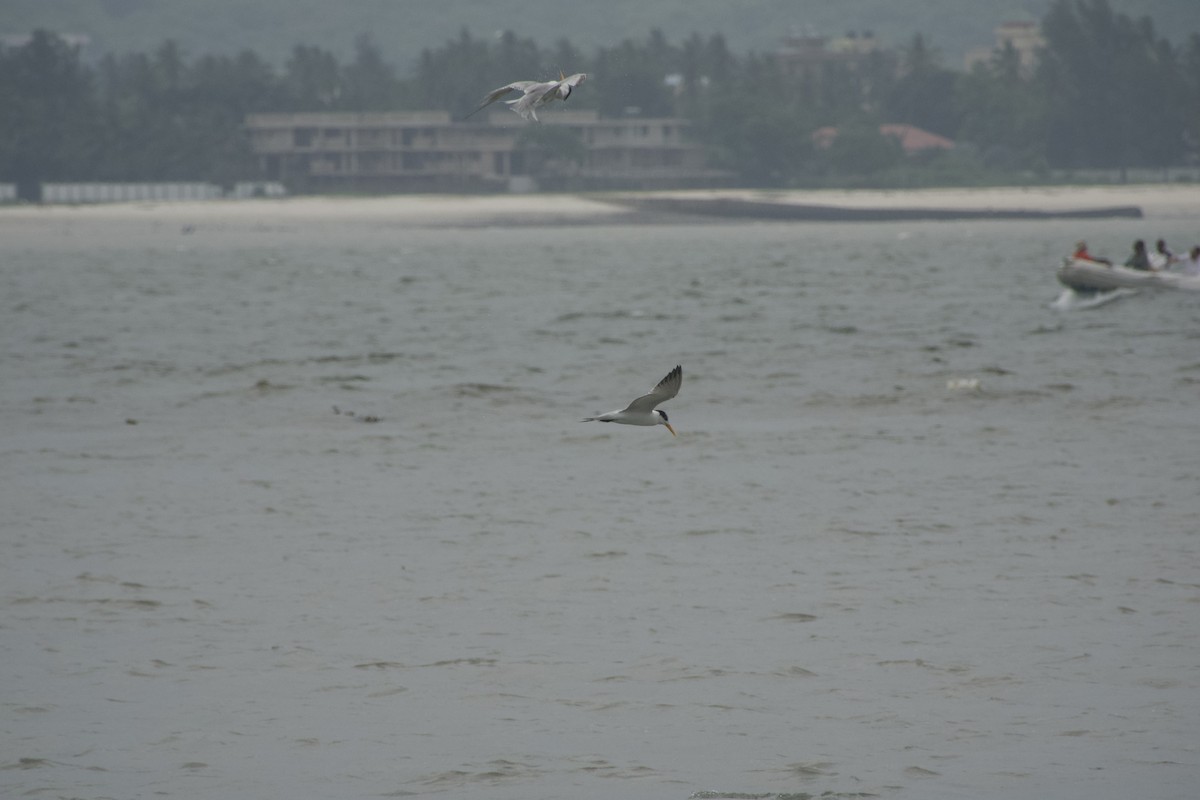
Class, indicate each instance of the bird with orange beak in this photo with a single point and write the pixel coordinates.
(642, 411)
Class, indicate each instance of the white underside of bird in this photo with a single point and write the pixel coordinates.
(534, 94)
(642, 411)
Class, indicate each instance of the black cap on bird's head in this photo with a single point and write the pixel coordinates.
(564, 88)
(665, 421)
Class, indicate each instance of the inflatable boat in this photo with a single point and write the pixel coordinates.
(1092, 276)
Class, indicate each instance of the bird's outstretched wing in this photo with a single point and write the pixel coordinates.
(667, 388)
(533, 93)
(496, 94)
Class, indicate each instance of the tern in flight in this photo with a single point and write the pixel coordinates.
(642, 411)
(533, 94)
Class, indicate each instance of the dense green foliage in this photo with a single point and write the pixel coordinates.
(1108, 92)
(404, 28)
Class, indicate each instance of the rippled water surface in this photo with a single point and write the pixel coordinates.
(306, 511)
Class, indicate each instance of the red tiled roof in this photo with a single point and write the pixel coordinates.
(912, 139)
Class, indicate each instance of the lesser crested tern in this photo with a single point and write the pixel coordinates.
(642, 411)
(533, 94)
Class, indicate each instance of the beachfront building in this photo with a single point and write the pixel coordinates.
(429, 151)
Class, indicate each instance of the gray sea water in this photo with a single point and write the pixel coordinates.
(306, 511)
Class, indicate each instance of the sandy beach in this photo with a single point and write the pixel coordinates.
(297, 504)
(403, 210)
(1160, 201)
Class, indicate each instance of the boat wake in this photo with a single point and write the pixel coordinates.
(1073, 300)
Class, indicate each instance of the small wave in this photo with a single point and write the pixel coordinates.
(497, 771)
(574, 316)
(494, 394)
(1071, 300)
(794, 616)
(480, 389)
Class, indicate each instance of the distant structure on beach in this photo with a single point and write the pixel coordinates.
(429, 151)
(911, 138)
(810, 60)
(149, 192)
(806, 55)
(1024, 37)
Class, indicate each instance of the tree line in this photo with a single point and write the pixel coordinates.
(1107, 92)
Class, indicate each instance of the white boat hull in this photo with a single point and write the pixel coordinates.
(1092, 276)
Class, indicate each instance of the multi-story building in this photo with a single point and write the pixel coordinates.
(818, 66)
(429, 151)
(1024, 37)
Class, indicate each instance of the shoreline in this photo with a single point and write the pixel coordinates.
(806, 212)
(694, 206)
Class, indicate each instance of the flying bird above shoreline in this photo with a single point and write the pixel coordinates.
(642, 411)
(533, 94)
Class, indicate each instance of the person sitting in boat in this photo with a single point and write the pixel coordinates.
(1139, 258)
(1162, 257)
(1081, 251)
(1191, 262)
